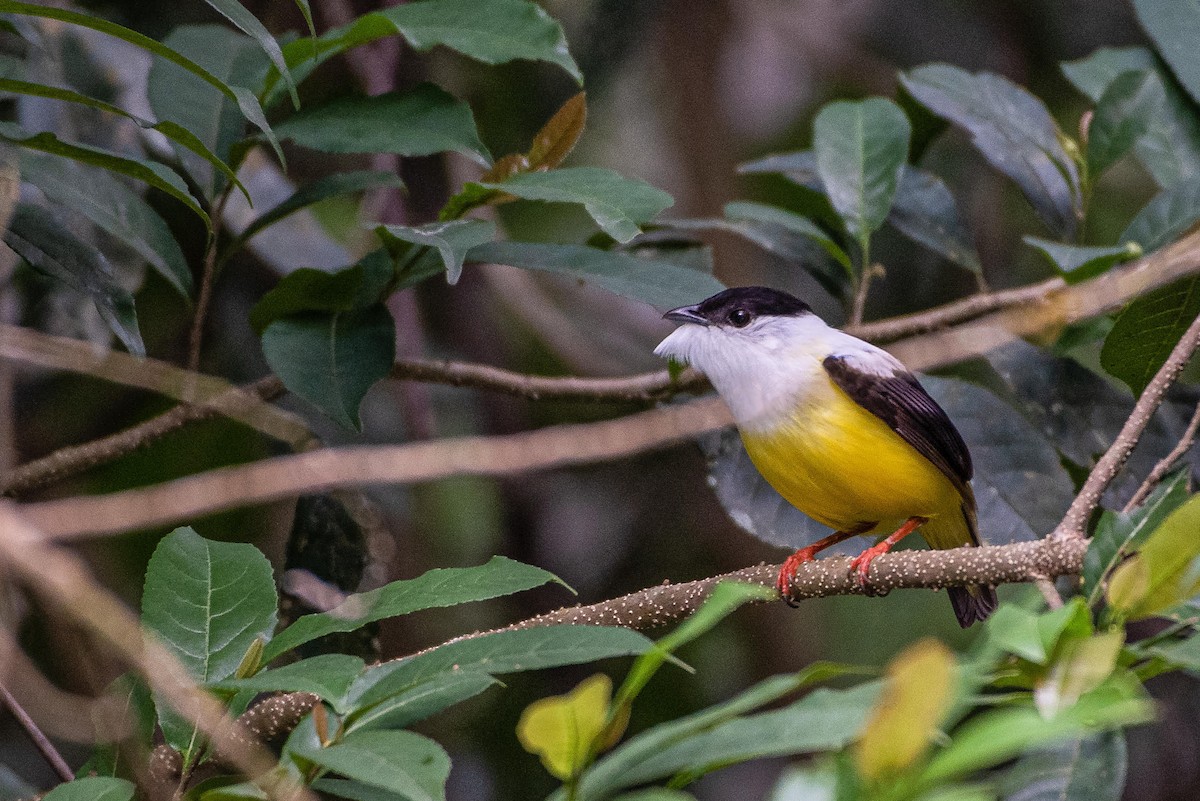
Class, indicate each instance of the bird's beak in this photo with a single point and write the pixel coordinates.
(686, 314)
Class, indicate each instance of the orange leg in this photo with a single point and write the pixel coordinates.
(788, 573)
(862, 563)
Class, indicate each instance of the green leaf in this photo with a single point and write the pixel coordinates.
(498, 653)
(1080, 262)
(114, 208)
(821, 721)
(51, 248)
(1168, 215)
(245, 101)
(658, 283)
(433, 589)
(236, 13)
(1088, 768)
(207, 601)
(1175, 28)
(1016, 630)
(560, 729)
(358, 286)
(1122, 117)
(92, 788)
(1080, 666)
(355, 791)
(405, 763)
(328, 676)
(452, 239)
(331, 359)
(999, 735)
(1118, 534)
(182, 99)
(1014, 132)
(1170, 564)
(861, 148)
(340, 183)
(916, 697)
(148, 172)
(1147, 329)
(617, 204)
(176, 133)
(418, 702)
(419, 122)
(1170, 148)
(775, 216)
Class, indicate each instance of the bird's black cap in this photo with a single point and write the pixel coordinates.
(740, 305)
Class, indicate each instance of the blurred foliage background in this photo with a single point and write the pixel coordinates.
(679, 94)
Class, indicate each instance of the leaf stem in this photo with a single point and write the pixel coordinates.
(207, 279)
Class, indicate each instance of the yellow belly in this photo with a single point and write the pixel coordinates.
(843, 466)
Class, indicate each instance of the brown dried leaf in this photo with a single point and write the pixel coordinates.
(558, 136)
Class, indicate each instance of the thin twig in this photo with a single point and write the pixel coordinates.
(1074, 523)
(207, 279)
(859, 306)
(40, 740)
(1166, 463)
(1048, 590)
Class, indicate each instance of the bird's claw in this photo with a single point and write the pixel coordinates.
(860, 566)
(787, 574)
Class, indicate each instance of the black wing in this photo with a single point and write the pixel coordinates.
(906, 407)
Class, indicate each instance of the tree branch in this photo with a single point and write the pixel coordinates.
(1164, 465)
(40, 741)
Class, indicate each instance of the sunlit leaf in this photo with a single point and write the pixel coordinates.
(861, 148)
(451, 239)
(1088, 768)
(1147, 330)
(1118, 534)
(50, 247)
(331, 359)
(659, 283)
(561, 729)
(418, 122)
(1014, 132)
(435, 588)
(1081, 262)
(113, 207)
(617, 204)
(1165, 569)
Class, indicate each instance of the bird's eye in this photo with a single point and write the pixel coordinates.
(739, 318)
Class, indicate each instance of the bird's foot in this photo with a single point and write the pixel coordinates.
(860, 566)
(787, 574)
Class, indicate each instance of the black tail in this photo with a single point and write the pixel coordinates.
(972, 604)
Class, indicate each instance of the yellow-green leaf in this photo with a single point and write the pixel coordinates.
(919, 689)
(1165, 570)
(1083, 666)
(560, 729)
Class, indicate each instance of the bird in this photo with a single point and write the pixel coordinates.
(839, 427)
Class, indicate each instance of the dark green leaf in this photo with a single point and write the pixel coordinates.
(113, 207)
(340, 183)
(1081, 262)
(1146, 331)
(1170, 148)
(355, 791)
(331, 359)
(1080, 769)
(236, 13)
(452, 239)
(413, 766)
(776, 217)
(208, 601)
(861, 148)
(1168, 215)
(51, 248)
(182, 99)
(498, 653)
(1182, 653)
(617, 204)
(328, 676)
(1175, 29)
(436, 588)
(245, 100)
(1014, 132)
(308, 290)
(925, 212)
(1123, 115)
(147, 172)
(418, 702)
(92, 788)
(176, 133)
(1119, 534)
(419, 122)
(658, 283)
